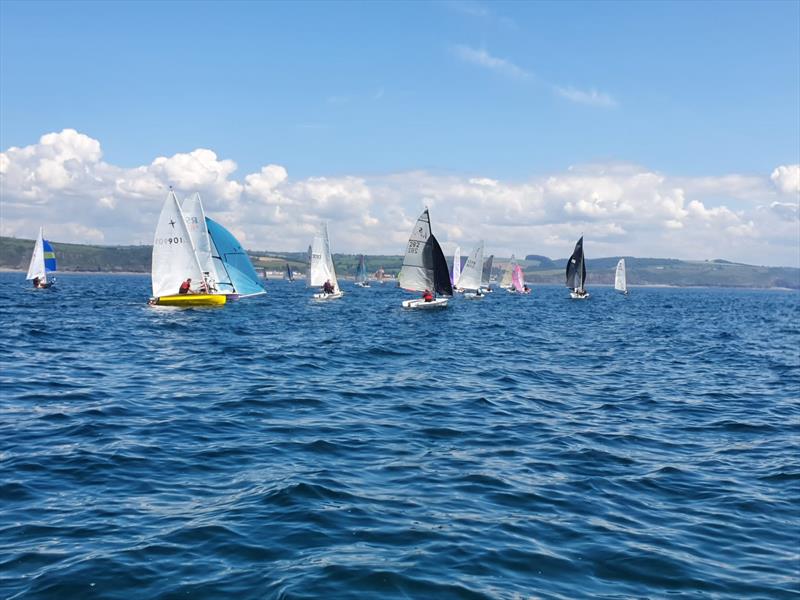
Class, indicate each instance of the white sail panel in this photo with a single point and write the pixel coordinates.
(620, 280)
(473, 270)
(506, 281)
(417, 271)
(321, 268)
(173, 253)
(195, 218)
(36, 268)
(456, 266)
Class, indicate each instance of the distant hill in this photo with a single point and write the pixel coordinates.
(15, 254)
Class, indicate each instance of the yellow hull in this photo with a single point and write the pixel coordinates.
(191, 300)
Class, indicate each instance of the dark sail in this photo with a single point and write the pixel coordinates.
(487, 270)
(576, 266)
(289, 274)
(441, 272)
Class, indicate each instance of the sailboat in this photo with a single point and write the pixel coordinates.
(518, 281)
(486, 274)
(379, 275)
(471, 276)
(225, 264)
(576, 269)
(175, 261)
(425, 267)
(321, 267)
(289, 273)
(361, 273)
(456, 268)
(620, 279)
(43, 262)
(506, 282)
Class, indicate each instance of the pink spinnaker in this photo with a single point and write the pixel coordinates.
(518, 279)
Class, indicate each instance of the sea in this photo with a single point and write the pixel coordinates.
(515, 447)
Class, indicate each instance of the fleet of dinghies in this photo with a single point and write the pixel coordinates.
(198, 262)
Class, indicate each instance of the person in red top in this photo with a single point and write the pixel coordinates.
(186, 287)
(427, 296)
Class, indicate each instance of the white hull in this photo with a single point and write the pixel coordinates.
(577, 296)
(420, 304)
(473, 296)
(362, 284)
(333, 296)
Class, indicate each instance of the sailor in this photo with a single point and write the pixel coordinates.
(526, 289)
(327, 287)
(186, 287)
(36, 282)
(427, 296)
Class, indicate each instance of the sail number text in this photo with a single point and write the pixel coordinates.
(169, 240)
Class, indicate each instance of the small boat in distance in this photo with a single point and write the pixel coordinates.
(361, 272)
(379, 275)
(289, 273)
(620, 278)
(175, 261)
(425, 267)
(576, 270)
(43, 262)
(507, 282)
(471, 276)
(321, 271)
(486, 274)
(456, 274)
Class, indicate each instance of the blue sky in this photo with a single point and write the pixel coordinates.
(703, 97)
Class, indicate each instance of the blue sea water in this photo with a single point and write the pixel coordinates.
(515, 447)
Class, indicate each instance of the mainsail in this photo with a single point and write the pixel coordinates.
(620, 279)
(361, 270)
(321, 268)
(456, 266)
(506, 281)
(576, 268)
(195, 218)
(43, 259)
(289, 273)
(424, 264)
(473, 270)
(231, 259)
(518, 279)
(174, 258)
(487, 271)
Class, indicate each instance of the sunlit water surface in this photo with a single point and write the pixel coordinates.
(513, 447)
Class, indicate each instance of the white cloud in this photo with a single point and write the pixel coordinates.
(481, 58)
(63, 183)
(591, 97)
(787, 179)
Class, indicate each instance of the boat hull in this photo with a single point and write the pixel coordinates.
(473, 296)
(191, 300)
(420, 304)
(324, 297)
(364, 285)
(576, 296)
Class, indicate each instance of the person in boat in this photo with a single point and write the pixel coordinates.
(186, 287)
(327, 287)
(36, 282)
(479, 292)
(526, 289)
(427, 296)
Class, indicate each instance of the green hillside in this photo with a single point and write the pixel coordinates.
(15, 254)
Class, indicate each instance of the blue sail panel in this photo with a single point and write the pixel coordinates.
(235, 260)
(49, 257)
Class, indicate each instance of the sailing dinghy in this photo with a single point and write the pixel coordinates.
(472, 275)
(289, 273)
(175, 260)
(321, 268)
(507, 282)
(456, 274)
(486, 274)
(576, 273)
(518, 281)
(620, 278)
(43, 262)
(361, 273)
(425, 267)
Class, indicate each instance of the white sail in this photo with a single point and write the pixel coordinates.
(620, 280)
(195, 218)
(456, 266)
(417, 271)
(473, 270)
(506, 281)
(174, 259)
(36, 268)
(321, 269)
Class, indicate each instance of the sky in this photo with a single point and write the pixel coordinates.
(655, 129)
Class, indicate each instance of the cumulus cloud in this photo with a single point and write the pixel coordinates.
(621, 208)
(787, 179)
